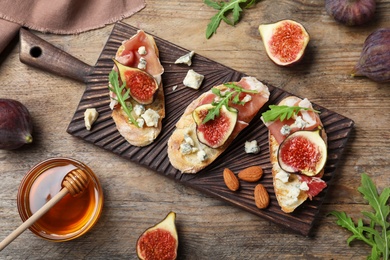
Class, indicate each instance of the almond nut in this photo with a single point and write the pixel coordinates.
(251, 174)
(231, 180)
(261, 197)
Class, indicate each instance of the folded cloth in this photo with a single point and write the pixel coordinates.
(61, 16)
(8, 30)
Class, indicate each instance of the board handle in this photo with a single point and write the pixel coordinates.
(40, 54)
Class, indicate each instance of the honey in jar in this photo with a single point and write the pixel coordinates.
(72, 216)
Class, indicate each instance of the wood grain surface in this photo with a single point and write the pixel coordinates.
(137, 197)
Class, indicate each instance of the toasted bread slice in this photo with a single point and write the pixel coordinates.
(289, 190)
(140, 46)
(198, 155)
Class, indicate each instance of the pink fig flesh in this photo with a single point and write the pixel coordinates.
(284, 41)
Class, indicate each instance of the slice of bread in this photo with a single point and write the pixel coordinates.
(287, 187)
(127, 54)
(140, 136)
(201, 155)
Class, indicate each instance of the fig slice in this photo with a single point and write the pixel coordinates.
(303, 152)
(15, 124)
(214, 133)
(142, 85)
(159, 241)
(284, 41)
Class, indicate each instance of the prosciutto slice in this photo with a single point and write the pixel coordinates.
(137, 47)
(315, 184)
(311, 119)
(247, 111)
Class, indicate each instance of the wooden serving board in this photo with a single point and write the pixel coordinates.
(209, 180)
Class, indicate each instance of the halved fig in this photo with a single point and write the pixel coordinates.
(284, 41)
(142, 85)
(303, 152)
(214, 133)
(159, 241)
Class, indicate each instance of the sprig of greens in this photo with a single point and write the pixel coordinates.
(377, 233)
(224, 98)
(121, 96)
(283, 112)
(234, 7)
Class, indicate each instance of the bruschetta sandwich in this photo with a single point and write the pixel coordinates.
(298, 150)
(136, 92)
(211, 122)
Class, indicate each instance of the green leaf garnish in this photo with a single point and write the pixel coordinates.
(283, 112)
(234, 7)
(377, 233)
(121, 95)
(224, 99)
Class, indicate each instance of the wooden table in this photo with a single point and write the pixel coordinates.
(136, 198)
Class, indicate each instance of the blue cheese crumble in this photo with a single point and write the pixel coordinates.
(193, 79)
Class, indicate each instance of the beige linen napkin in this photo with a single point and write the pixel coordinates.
(61, 16)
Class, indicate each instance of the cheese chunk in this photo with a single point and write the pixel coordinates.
(185, 59)
(151, 117)
(90, 116)
(193, 79)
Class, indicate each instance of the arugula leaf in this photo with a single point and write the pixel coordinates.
(378, 240)
(121, 96)
(224, 9)
(225, 97)
(283, 112)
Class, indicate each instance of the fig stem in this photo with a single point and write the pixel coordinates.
(355, 73)
(28, 139)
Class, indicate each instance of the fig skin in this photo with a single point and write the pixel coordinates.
(159, 251)
(374, 61)
(15, 125)
(285, 41)
(351, 12)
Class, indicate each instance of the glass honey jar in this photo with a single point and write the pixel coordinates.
(72, 216)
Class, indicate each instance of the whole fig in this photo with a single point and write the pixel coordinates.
(15, 124)
(374, 61)
(351, 12)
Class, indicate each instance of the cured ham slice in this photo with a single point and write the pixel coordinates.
(311, 120)
(247, 111)
(315, 185)
(140, 47)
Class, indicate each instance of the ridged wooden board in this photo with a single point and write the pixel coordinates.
(209, 180)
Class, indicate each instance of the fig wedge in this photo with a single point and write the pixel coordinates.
(142, 85)
(284, 41)
(214, 133)
(303, 152)
(159, 241)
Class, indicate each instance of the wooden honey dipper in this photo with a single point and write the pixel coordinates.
(74, 182)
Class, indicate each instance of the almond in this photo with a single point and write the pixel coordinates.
(261, 197)
(231, 180)
(251, 174)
